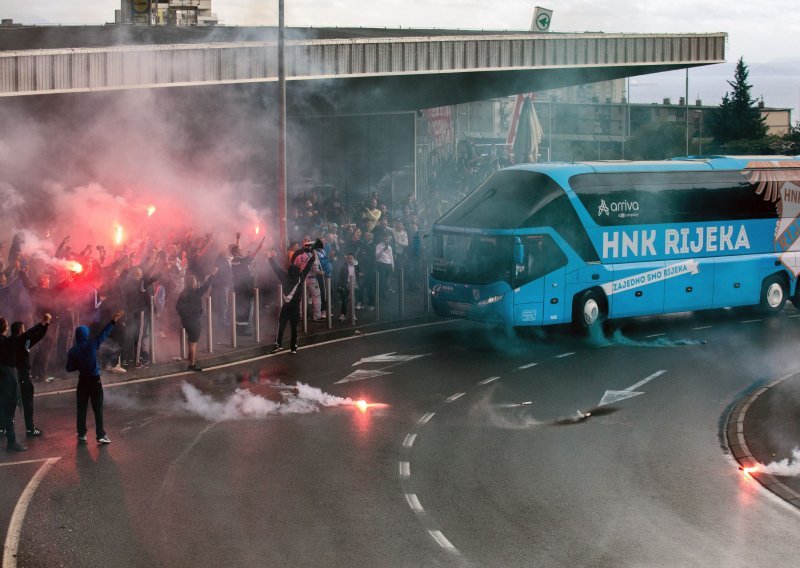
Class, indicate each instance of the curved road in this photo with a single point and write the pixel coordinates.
(479, 454)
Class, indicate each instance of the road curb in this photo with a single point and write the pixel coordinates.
(241, 354)
(735, 439)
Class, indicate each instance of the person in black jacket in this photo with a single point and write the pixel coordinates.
(24, 375)
(292, 281)
(190, 310)
(9, 349)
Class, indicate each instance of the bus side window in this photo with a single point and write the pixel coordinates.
(542, 256)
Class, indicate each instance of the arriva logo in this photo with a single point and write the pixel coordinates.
(621, 207)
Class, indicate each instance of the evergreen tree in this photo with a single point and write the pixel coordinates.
(738, 116)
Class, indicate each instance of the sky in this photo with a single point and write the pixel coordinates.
(768, 48)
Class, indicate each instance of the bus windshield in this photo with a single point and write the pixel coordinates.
(472, 259)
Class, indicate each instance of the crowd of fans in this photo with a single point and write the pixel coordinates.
(365, 242)
(87, 286)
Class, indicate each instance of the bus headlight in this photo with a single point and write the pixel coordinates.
(490, 300)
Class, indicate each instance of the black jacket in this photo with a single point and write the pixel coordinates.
(291, 285)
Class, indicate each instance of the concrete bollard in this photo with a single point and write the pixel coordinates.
(138, 357)
(427, 299)
(351, 284)
(305, 307)
(257, 315)
(152, 331)
(210, 325)
(234, 322)
(377, 296)
(401, 292)
(328, 301)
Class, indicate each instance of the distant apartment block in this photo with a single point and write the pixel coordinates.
(169, 13)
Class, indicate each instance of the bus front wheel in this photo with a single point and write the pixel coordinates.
(589, 312)
(773, 295)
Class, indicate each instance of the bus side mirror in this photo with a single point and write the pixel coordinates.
(519, 252)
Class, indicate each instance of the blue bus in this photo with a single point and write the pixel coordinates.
(544, 244)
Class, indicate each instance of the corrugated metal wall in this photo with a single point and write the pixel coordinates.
(58, 71)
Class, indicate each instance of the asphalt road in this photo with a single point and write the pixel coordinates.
(476, 454)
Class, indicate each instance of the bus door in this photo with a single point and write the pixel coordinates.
(636, 290)
(539, 280)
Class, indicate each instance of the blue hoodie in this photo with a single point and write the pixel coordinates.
(83, 355)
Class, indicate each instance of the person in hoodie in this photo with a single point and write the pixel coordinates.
(292, 293)
(83, 358)
(9, 349)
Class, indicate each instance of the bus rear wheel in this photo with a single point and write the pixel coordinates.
(773, 295)
(589, 312)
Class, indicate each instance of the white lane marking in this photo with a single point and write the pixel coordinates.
(409, 441)
(455, 397)
(23, 462)
(646, 380)
(252, 359)
(795, 316)
(427, 417)
(515, 404)
(564, 355)
(405, 470)
(389, 358)
(442, 541)
(528, 366)
(362, 375)
(702, 327)
(15, 526)
(655, 335)
(612, 396)
(749, 321)
(323, 343)
(489, 380)
(124, 383)
(413, 502)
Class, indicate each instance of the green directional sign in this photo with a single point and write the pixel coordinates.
(541, 19)
(543, 22)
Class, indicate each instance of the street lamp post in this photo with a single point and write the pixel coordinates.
(282, 193)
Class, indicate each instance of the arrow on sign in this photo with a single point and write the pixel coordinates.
(612, 396)
(361, 375)
(389, 358)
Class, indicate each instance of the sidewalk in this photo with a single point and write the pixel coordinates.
(765, 428)
(388, 315)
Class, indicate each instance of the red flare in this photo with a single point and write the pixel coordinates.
(118, 234)
(150, 210)
(74, 266)
(258, 230)
(748, 471)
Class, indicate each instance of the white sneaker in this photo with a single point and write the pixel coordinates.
(118, 369)
(81, 437)
(103, 440)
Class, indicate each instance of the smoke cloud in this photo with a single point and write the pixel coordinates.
(597, 339)
(788, 467)
(84, 165)
(506, 417)
(243, 404)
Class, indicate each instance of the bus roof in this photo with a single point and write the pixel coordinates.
(689, 163)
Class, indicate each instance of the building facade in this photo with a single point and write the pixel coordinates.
(166, 13)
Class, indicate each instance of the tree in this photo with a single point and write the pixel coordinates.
(657, 141)
(738, 116)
